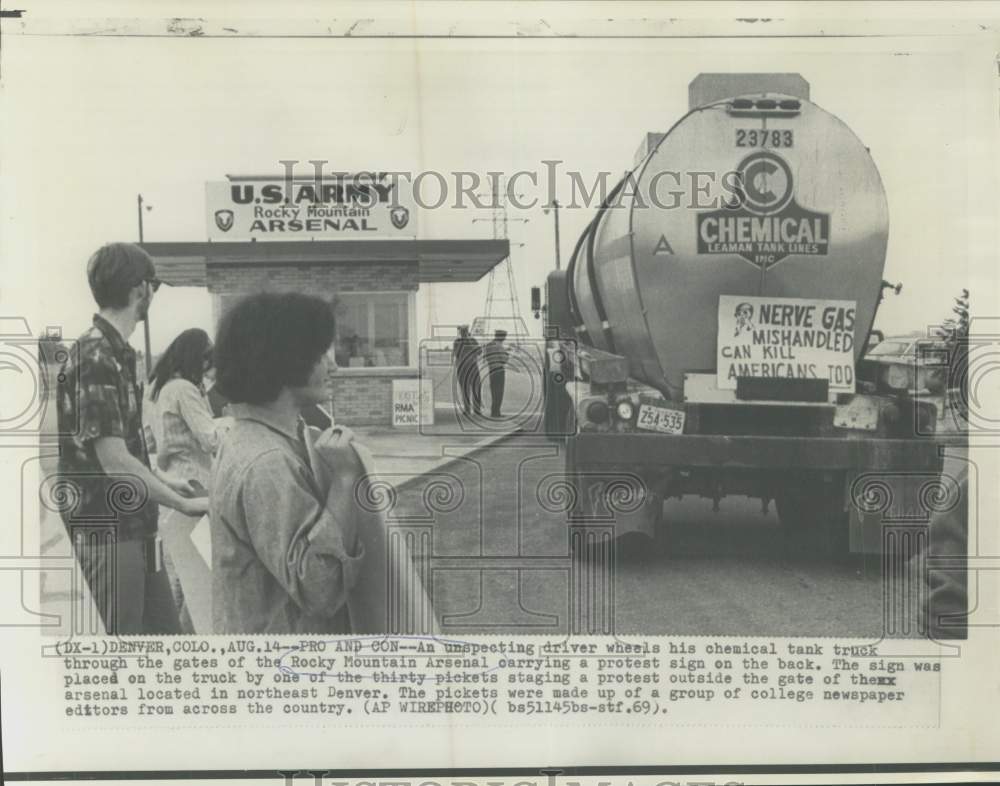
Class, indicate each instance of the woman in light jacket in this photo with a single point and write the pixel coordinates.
(186, 435)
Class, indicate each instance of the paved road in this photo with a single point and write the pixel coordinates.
(730, 572)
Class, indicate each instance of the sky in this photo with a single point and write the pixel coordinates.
(90, 122)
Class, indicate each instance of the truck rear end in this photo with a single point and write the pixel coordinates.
(708, 332)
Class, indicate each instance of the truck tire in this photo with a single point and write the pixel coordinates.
(797, 505)
(812, 516)
(663, 529)
(617, 505)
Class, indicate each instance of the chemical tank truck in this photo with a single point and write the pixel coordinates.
(710, 325)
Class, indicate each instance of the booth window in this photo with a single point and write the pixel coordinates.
(372, 329)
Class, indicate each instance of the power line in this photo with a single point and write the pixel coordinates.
(502, 308)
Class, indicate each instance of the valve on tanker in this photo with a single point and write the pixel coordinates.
(896, 288)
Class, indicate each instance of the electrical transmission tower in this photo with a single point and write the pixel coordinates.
(502, 310)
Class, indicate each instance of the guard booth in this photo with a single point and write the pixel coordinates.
(358, 249)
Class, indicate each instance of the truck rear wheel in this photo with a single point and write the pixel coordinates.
(812, 515)
(797, 504)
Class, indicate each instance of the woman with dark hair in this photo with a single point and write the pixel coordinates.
(282, 560)
(186, 438)
(186, 435)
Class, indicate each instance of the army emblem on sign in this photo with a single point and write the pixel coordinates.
(400, 217)
(224, 219)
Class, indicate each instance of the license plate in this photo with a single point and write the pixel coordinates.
(666, 420)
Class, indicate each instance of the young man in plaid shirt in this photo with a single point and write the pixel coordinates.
(104, 465)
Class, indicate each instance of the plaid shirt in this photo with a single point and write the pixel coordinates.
(99, 396)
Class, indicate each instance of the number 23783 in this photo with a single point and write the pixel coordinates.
(763, 137)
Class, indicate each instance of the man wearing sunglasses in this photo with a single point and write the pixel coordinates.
(112, 495)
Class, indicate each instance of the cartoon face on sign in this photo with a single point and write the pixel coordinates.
(744, 319)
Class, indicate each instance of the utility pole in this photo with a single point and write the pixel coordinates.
(554, 207)
(138, 199)
(145, 323)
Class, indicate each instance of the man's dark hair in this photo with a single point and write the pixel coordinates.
(270, 341)
(185, 358)
(114, 270)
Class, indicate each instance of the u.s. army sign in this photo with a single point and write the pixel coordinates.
(373, 205)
